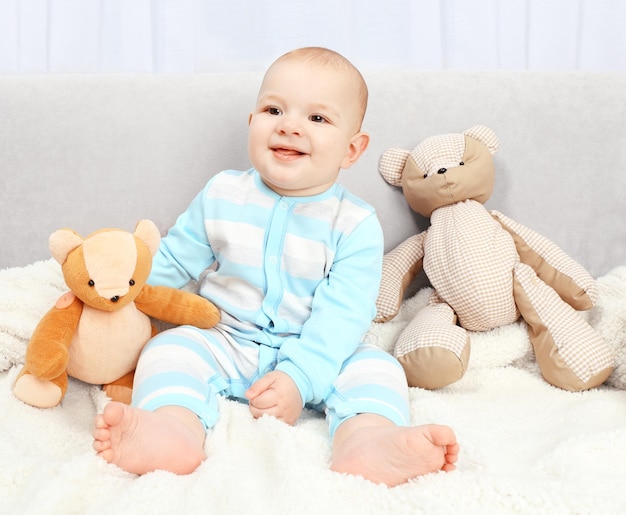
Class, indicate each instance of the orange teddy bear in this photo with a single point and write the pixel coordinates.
(96, 331)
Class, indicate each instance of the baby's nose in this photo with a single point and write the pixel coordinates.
(289, 125)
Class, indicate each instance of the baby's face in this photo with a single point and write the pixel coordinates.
(304, 127)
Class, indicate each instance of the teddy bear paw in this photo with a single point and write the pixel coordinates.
(37, 392)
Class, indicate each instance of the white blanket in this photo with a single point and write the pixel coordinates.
(527, 447)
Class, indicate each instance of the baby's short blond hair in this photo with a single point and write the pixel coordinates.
(326, 57)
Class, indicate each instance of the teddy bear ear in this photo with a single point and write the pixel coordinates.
(391, 165)
(62, 242)
(484, 135)
(148, 232)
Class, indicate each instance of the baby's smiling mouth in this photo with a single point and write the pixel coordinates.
(286, 153)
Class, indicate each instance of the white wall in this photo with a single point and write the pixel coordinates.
(165, 36)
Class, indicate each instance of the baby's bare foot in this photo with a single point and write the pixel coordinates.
(392, 455)
(134, 439)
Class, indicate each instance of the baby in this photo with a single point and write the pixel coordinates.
(294, 264)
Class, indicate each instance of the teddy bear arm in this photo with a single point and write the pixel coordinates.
(177, 306)
(400, 267)
(552, 265)
(47, 353)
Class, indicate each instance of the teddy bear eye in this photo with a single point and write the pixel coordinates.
(461, 163)
(131, 282)
(91, 283)
(425, 175)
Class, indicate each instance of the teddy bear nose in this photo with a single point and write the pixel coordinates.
(442, 170)
(115, 298)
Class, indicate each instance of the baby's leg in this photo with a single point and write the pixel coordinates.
(373, 447)
(376, 442)
(177, 381)
(132, 438)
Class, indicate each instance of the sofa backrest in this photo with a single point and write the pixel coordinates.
(92, 151)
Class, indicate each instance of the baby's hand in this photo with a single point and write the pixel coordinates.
(275, 394)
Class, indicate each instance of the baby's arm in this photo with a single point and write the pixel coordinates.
(275, 394)
(185, 252)
(342, 310)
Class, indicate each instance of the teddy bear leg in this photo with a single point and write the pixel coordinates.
(41, 393)
(570, 353)
(432, 349)
(122, 389)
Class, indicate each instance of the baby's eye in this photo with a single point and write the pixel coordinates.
(318, 118)
(274, 111)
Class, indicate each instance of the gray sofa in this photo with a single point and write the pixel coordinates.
(88, 152)
(92, 151)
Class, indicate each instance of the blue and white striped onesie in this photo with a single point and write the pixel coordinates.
(296, 280)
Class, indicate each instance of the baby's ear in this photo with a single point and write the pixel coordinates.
(358, 145)
(62, 242)
(391, 165)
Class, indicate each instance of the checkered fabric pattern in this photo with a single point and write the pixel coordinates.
(445, 151)
(439, 152)
(433, 325)
(486, 270)
(484, 135)
(433, 350)
(469, 260)
(572, 279)
(391, 165)
(564, 342)
(400, 266)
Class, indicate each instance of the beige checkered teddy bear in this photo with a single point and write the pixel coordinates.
(485, 269)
